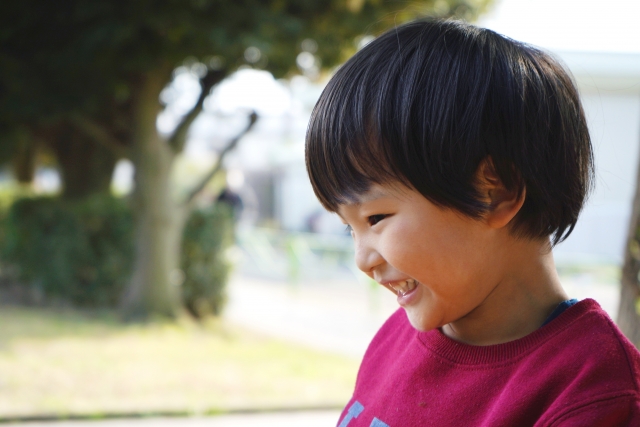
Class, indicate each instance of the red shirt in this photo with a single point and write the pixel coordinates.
(578, 370)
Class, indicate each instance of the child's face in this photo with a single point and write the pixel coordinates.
(444, 264)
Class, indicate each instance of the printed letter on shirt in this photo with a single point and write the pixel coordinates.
(377, 423)
(353, 412)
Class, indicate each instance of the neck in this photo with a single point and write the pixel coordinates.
(526, 291)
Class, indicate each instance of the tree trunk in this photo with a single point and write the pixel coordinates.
(629, 308)
(158, 219)
(86, 167)
(24, 160)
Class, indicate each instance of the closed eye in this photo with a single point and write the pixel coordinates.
(374, 219)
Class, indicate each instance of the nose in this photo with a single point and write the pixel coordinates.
(367, 257)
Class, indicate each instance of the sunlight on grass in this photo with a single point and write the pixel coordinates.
(54, 362)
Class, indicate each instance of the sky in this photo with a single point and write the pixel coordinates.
(569, 25)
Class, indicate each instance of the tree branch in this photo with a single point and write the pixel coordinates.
(179, 136)
(253, 117)
(99, 134)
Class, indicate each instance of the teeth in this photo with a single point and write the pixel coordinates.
(402, 288)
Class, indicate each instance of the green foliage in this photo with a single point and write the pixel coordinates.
(91, 71)
(207, 236)
(89, 56)
(79, 252)
(82, 252)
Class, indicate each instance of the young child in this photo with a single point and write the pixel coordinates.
(458, 158)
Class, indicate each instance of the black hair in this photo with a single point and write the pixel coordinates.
(425, 103)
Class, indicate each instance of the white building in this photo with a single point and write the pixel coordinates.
(609, 84)
(276, 186)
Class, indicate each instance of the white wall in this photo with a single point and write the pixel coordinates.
(610, 91)
(614, 123)
(610, 88)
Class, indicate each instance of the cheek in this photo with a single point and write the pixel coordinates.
(410, 248)
(442, 247)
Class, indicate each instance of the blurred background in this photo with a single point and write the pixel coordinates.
(161, 249)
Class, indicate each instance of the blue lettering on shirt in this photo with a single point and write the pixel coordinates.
(377, 423)
(354, 410)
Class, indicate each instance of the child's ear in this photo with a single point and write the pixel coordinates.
(504, 203)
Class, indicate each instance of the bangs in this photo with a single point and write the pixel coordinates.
(385, 117)
(424, 104)
(345, 153)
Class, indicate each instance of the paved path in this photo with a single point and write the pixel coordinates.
(295, 419)
(340, 317)
(343, 316)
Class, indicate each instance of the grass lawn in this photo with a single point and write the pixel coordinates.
(61, 363)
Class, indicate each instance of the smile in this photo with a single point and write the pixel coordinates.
(403, 288)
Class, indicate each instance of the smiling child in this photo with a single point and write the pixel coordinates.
(458, 158)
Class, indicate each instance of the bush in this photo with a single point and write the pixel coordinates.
(207, 236)
(80, 252)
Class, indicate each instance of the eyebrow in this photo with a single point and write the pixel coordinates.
(366, 197)
(369, 196)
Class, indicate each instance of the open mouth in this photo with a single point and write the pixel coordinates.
(403, 288)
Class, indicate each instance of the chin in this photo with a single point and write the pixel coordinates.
(419, 323)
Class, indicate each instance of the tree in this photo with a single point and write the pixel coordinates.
(88, 73)
(42, 82)
(629, 308)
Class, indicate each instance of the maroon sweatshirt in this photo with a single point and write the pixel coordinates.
(578, 370)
